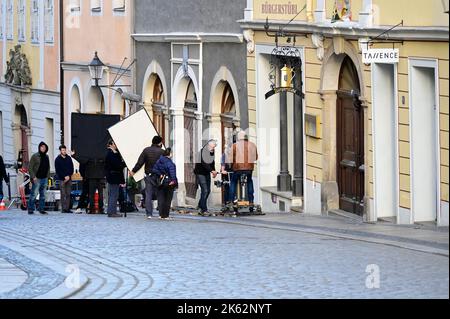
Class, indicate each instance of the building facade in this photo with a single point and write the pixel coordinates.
(29, 82)
(191, 73)
(370, 139)
(95, 26)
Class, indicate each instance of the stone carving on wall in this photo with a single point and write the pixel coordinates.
(317, 40)
(249, 37)
(17, 68)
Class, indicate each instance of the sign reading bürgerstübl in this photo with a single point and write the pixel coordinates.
(381, 56)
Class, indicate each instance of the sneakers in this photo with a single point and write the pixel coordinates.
(79, 211)
(149, 217)
(30, 213)
(205, 214)
(43, 212)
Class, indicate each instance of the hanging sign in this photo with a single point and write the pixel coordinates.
(381, 56)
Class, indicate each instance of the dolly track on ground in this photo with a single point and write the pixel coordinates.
(94, 277)
(93, 264)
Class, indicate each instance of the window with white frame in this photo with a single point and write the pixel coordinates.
(96, 6)
(75, 6)
(34, 21)
(9, 19)
(21, 21)
(118, 5)
(49, 21)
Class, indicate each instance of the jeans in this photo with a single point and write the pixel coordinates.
(66, 189)
(165, 196)
(235, 177)
(149, 192)
(113, 196)
(39, 186)
(1, 190)
(205, 186)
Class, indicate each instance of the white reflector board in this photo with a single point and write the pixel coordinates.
(132, 135)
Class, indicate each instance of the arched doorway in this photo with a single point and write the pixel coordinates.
(228, 115)
(350, 140)
(21, 116)
(227, 120)
(95, 101)
(190, 107)
(158, 106)
(75, 100)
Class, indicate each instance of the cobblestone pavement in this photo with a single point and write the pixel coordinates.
(190, 258)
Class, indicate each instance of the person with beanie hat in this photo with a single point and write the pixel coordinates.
(39, 170)
(149, 157)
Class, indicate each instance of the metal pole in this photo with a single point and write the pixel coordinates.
(284, 179)
(298, 137)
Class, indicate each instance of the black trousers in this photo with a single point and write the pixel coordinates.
(94, 185)
(165, 196)
(84, 197)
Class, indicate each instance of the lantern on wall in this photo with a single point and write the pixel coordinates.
(96, 68)
(285, 63)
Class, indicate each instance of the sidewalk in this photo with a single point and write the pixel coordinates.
(424, 238)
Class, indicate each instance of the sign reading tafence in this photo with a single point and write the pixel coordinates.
(381, 56)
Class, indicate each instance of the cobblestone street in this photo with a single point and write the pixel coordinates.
(192, 258)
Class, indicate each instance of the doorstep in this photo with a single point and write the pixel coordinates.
(274, 200)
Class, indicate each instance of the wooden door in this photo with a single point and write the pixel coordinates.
(189, 176)
(350, 153)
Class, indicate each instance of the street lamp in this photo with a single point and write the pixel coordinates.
(96, 68)
(445, 5)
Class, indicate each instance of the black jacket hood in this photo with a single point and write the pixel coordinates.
(46, 147)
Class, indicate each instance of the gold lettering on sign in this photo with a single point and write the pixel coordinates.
(269, 8)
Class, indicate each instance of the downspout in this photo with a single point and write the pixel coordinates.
(61, 70)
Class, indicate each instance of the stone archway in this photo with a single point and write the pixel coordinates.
(180, 137)
(190, 107)
(331, 68)
(95, 102)
(154, 102)
(155, 98)
(118, 105)
(22, 134)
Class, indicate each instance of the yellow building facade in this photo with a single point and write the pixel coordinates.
(380, 141)
(29, 79)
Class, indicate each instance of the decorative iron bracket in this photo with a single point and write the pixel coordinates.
(281, 33)
(386, 39)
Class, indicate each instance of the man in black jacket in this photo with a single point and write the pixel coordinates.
(64, 172)
(149, 157)
(114, 166)
(39, 169)
(203, 171)
(3, 176)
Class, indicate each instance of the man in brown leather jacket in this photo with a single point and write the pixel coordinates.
(243, 154)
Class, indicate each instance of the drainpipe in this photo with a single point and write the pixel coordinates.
(61, 71)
